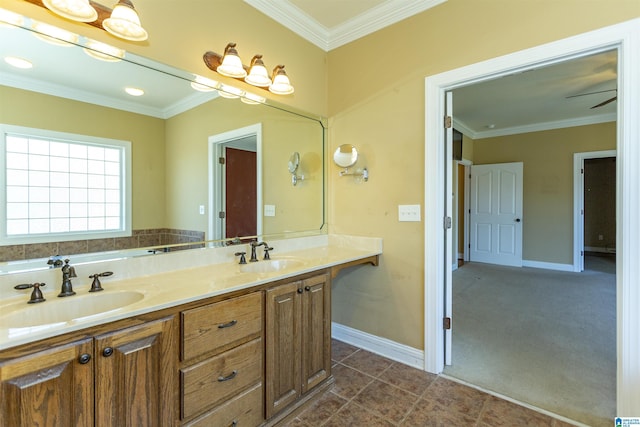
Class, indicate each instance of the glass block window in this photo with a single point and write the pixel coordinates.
(63, 186)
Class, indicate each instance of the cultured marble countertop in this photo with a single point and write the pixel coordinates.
(212, 272)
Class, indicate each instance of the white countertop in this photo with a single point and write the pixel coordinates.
(175, 279)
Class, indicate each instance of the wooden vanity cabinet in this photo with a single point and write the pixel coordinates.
(128, 376)
(298, 337)
(222, 369)
(49, 388)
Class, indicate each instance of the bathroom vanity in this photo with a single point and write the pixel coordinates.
(216, 344)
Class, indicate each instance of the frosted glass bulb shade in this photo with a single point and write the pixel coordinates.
(54, 35)
(10, 19)
(230, 92)
(232, 66)
(76, 10)
(103, 51)
(281, 84)
(125, 22)
(258, 74)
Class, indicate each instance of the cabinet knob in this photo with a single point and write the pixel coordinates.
(307, 288)
(84, 358)
(108, 351)
(300, 290)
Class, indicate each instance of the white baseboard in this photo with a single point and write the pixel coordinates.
(548, 265)
(381, 346)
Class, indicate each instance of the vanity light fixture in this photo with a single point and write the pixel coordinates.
(103, 51)
(54, 35)
(76, 10)
(230, 65)
(10, 19)
(124, 22)
(203, 84)
(258, 74)
(281, 84)
(230, 92)
(252, 99)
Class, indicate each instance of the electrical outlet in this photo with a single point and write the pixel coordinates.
(269, 210)
(408, 213)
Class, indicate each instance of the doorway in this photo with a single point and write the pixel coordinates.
(620, 37)
(235, 183)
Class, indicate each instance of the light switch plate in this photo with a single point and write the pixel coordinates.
(408, 213)
(201, 209)
(269, 210)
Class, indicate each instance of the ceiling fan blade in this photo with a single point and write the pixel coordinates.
(591, 93)
(604, 102)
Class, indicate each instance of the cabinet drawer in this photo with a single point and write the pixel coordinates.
(213, 327)
(243, 410)
(211, 381)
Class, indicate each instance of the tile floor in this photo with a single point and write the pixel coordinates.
(372, 391)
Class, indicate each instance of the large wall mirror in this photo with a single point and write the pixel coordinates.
(177, 135)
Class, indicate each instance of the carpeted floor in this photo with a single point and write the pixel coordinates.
(546, 338)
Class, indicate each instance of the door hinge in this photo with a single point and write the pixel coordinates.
(221, 215)
(447, 122)
(446, 323)
(221, 160)
(447, 222)
(582, 171)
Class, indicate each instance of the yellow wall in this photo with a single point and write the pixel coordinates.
(547, 219)
(376, 102)
(147, 135)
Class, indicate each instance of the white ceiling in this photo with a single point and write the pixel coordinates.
(524, 102)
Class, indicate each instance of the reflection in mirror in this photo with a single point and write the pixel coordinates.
(294, 161)
(170, 128)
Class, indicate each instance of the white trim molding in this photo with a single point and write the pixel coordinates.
(382, 346)
(625, 37)
(547, 265)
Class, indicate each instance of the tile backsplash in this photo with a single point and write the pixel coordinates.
(138, 239)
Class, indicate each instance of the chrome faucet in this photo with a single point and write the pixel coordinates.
(67, 273)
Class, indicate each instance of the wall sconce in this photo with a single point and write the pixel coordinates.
(229, 64)
(123, 21)
(294, 162)
(346, 156)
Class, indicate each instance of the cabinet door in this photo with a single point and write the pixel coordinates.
(283, 341)
(53, 387)
(316, 331)
(136, 371)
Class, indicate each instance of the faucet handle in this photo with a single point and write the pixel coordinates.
(243, 259)
(95, 285)
(36, 295)
(266, 249)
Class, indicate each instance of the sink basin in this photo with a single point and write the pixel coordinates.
(268, 266)
(73, 308)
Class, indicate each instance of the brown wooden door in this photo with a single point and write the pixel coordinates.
(49, 388)
(240, 193)
(316, 331)
(136, 371)
(283, 342)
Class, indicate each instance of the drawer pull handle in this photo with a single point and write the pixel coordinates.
(227, 325)
(227, 378)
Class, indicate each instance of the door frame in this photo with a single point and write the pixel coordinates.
(625, 37)
(578, 202)
(216, 192)
(464, 198)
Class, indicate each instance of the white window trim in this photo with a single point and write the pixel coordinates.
(126, 209)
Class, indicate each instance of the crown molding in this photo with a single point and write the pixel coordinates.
(383, 15)
(537, 127)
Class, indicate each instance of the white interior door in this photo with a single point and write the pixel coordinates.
(496, 214)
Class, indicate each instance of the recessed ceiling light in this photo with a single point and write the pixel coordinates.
(491, 126)
(134, 91)
(18, 62)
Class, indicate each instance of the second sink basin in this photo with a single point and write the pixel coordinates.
(271, 265)
(73, 308)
